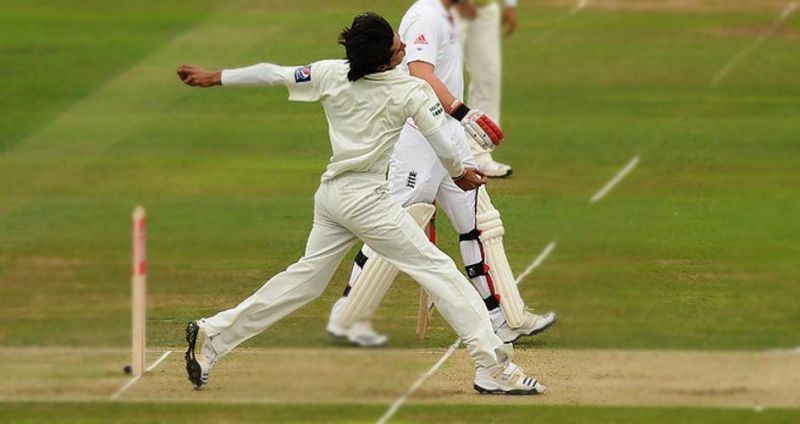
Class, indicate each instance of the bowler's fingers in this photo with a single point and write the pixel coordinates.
(188, 74)
(481, 177)
(183, 71)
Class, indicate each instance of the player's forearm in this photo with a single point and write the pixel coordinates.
(263, 74)
(446, 151)
(425, 72)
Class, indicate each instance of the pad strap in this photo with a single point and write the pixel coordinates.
(475, 234)
(361, 259)
(480, 269)
(477, 270)
(492, 302)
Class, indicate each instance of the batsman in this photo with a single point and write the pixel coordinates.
(416, 176)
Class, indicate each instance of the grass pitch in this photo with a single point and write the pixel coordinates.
(695, 250)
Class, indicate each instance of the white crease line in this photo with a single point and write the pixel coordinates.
(417, 384)
(537, 262)
(158, 361)
(614, 181)
(125, 387)
(420, 381)
(787, 11)
(580, 5)
(128, 384)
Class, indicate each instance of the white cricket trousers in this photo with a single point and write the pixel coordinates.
(480, 41)
(350, 206)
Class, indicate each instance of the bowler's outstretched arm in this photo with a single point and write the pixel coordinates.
(262, 74)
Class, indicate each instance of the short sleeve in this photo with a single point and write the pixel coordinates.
(422, 40)
(304, 83)
(320, 79)
(426, 111)
(310, 83)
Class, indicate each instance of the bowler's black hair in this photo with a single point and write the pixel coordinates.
(367, 44)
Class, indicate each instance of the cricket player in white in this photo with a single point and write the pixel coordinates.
(417, 176)
(479, 25)
(367, 102)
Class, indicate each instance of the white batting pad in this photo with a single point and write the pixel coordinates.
(378, 274)
(492, 232)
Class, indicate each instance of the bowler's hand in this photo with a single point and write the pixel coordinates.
(471, 179)
(509, 20)
(199, 77)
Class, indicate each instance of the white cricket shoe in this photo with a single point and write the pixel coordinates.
(532, 324)
(506, 379)
(494, 169)
(200, 356)
(359, 334)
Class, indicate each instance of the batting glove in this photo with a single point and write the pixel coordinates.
(478, 125)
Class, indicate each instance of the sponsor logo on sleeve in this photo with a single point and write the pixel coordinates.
(302, 74)
(436, 109)
(420, 40)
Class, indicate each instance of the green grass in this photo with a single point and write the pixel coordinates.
(696, 249)
(20, 413)
(60, 53)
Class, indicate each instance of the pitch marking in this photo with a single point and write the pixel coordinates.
(125, 387)
(417, 384)
(420, 381)
(614, 181)
(537, 262)
(158, 361)
(580, 5)
(128, 384)
(787, 11)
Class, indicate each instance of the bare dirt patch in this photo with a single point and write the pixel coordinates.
(345, 375)
(660, 378)
(333, 375)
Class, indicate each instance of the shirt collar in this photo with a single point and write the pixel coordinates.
(379, 76)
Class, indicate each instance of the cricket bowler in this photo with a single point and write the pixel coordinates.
(367, 101)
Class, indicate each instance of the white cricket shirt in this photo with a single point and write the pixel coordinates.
(365, 117)
(430, 36)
